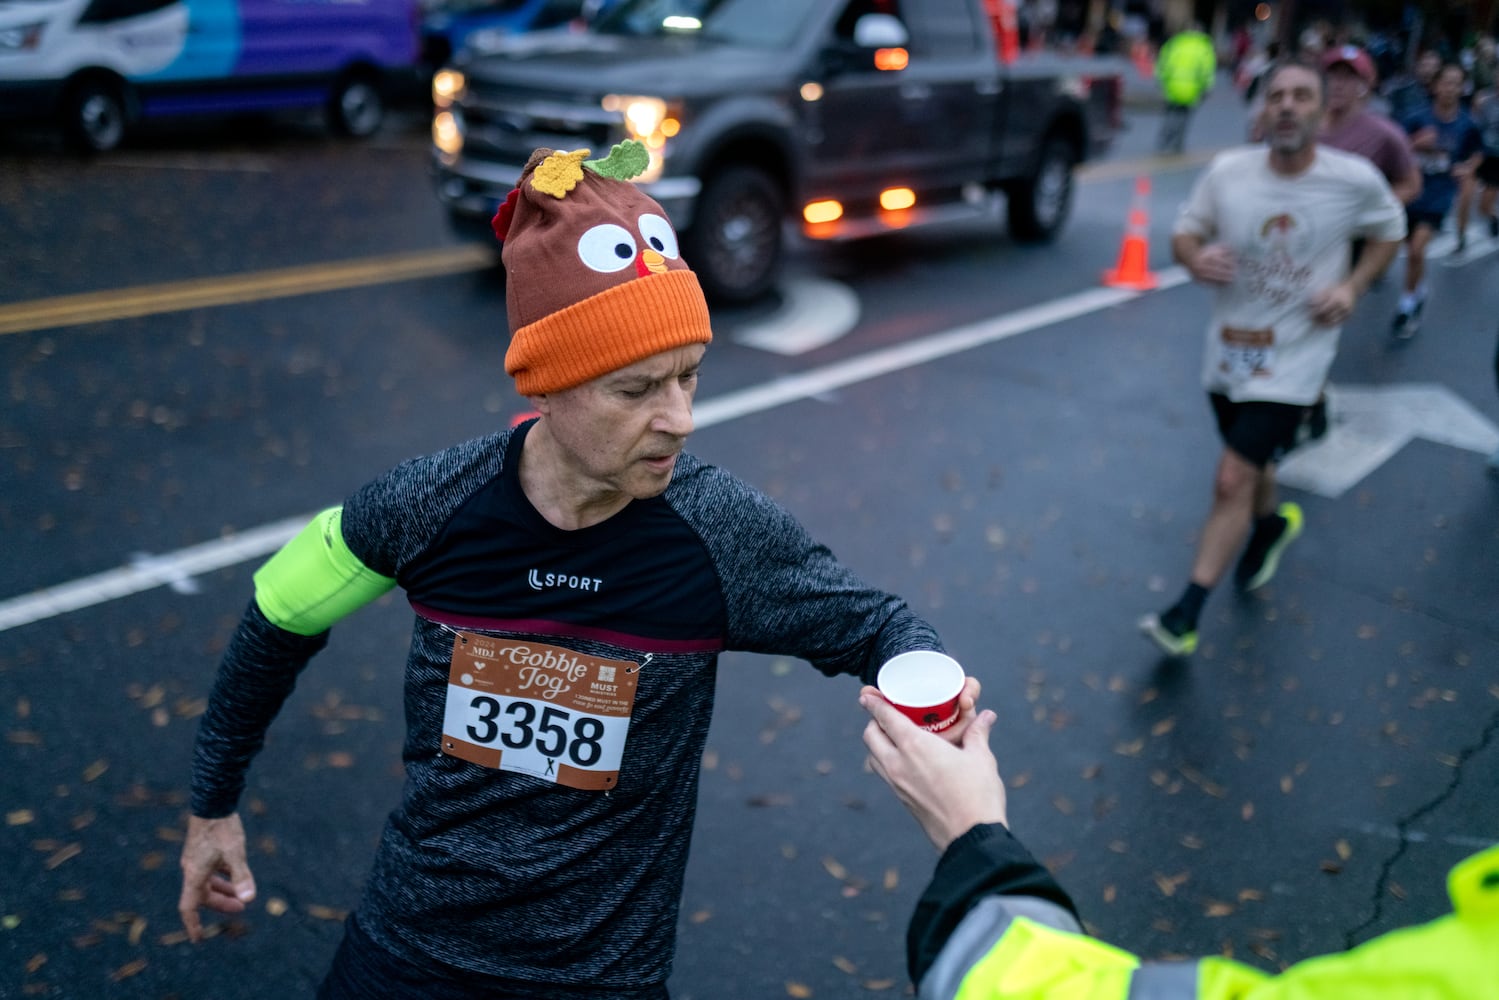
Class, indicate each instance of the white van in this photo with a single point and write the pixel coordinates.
(94, 67)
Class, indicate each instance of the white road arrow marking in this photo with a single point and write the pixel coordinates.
(1370, 424)
(815, 314)
(169, 571)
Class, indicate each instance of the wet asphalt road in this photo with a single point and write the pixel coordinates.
(1302, 784)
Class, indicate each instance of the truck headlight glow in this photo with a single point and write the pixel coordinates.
(447, 133)
(649, 119)
(447, 85)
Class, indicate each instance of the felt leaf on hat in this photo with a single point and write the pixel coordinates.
(626, 160)
(504, 215)
(559, 173)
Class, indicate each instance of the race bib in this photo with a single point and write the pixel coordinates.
(1437, 161)
(541, 710)
(1244, 354)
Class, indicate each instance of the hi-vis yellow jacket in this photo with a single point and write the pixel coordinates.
(1186, 67)
(993, 925)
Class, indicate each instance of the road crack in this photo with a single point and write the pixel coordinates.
(1381, 886)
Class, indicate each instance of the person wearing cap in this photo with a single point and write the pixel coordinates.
(1351, 126)
(573, 580)
(994, 924)
(1269, 228)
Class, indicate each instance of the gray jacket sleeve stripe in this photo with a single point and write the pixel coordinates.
(979, 932)
(1164, 981)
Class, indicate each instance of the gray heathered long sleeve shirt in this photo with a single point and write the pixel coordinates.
(509, 879)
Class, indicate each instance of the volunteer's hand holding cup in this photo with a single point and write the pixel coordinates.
(931, 690)
(948, 788)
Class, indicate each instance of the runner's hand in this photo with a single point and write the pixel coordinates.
(215, 873)
(968, 700)
(1332, 306)
(1214, 264)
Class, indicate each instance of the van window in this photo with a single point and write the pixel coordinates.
(555, 13)
(104, 11)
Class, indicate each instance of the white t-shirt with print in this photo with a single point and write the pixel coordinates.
(1290, 237)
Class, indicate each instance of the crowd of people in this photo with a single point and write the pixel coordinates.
(584, 558)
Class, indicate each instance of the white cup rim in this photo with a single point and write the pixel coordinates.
(939, 680)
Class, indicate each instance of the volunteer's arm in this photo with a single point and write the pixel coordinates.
(958, 797)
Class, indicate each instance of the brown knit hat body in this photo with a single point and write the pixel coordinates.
(594, 277)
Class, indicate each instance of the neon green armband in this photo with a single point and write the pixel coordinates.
(315, 580)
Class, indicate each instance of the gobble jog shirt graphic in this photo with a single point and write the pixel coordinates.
(537, 709)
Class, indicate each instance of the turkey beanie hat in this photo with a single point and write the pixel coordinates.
(595, 280)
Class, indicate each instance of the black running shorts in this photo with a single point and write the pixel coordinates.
(1423, 217)
(1262, 433)
(1488, 170)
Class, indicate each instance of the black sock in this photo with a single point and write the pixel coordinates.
(1187, 608)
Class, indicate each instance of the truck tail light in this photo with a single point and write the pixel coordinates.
(822, 211)
(891, 59)
(897, 199)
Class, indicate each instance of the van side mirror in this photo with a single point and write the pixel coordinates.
(880, 31)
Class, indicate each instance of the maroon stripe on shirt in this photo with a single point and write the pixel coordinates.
(645, 644)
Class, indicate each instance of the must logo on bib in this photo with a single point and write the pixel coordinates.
(540, 710)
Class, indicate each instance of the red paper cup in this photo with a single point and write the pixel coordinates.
(924, 685)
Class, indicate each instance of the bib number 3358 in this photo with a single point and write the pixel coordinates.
(537, 709)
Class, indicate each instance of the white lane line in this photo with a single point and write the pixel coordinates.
(146, 575)
(912, 353)
(176, 567)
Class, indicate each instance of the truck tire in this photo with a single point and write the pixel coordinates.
(1039, 204)
(355, 107)
(95, 115)
(734, 243)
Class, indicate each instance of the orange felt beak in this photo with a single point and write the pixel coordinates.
(649, 262)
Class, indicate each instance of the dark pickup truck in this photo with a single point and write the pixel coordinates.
(850, 117)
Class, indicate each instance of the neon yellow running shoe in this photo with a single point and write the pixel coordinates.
(1262, 558)
(1171, 643)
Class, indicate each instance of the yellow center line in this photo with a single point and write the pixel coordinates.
(199, 293)
(202, 293)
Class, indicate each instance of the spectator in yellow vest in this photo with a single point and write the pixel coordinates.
(1186, 68)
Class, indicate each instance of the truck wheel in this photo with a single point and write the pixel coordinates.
(734, 243)
(355, 108)
(1039, 205)
(94, 116)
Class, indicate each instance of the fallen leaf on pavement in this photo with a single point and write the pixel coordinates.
(127, 970)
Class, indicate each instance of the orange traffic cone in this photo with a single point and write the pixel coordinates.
(1133, 268)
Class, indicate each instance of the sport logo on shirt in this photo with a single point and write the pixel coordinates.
(546, 581)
